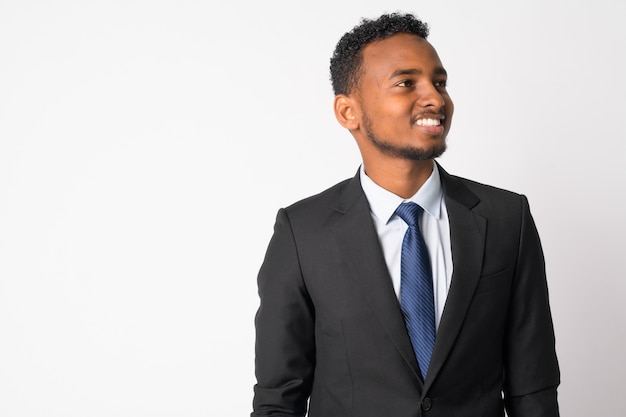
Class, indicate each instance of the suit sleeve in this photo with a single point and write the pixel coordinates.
(531, 367)
(285, 342)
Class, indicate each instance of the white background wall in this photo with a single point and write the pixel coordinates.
(145, 147)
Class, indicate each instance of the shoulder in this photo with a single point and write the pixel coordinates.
(468, 189)
(483, 198)
(333, 199)
(310, 219)
(486, 190)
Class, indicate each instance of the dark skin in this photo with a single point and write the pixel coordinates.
(400, 113)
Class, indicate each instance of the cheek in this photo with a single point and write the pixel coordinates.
(449, 104)
(385, 111)
(398, 110)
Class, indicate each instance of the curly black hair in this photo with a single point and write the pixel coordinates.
(345, 64)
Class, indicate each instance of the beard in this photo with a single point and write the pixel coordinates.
(406, 152)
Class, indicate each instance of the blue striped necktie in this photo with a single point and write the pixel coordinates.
(416, 287)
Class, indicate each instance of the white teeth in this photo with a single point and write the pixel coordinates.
(428, 122)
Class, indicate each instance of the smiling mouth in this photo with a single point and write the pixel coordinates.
(428, 122)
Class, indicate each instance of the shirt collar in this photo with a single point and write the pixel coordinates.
(383, 203)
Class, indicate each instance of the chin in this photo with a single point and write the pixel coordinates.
(436, 147)
(422, 154)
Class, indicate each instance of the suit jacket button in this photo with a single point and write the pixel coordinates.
(427, 404)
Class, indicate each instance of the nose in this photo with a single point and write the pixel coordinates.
(430, 96)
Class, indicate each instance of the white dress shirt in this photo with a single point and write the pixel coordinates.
(433, 223)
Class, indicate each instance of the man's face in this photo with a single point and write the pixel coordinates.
(405, 109)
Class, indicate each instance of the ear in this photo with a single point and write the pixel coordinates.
(347, 111)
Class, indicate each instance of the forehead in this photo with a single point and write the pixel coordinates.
(400, 51)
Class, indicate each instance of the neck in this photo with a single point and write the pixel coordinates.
(404, 178)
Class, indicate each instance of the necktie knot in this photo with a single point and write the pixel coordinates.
(409, 212)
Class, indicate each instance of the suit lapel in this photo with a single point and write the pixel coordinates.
(357, 240)
(467, 236)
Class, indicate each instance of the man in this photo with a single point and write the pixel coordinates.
(366, 311)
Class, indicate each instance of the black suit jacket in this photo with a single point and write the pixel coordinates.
(329, 326)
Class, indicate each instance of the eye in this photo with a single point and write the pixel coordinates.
(406, 83)
(441, 83)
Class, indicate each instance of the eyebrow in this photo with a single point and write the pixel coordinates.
(415, 71)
